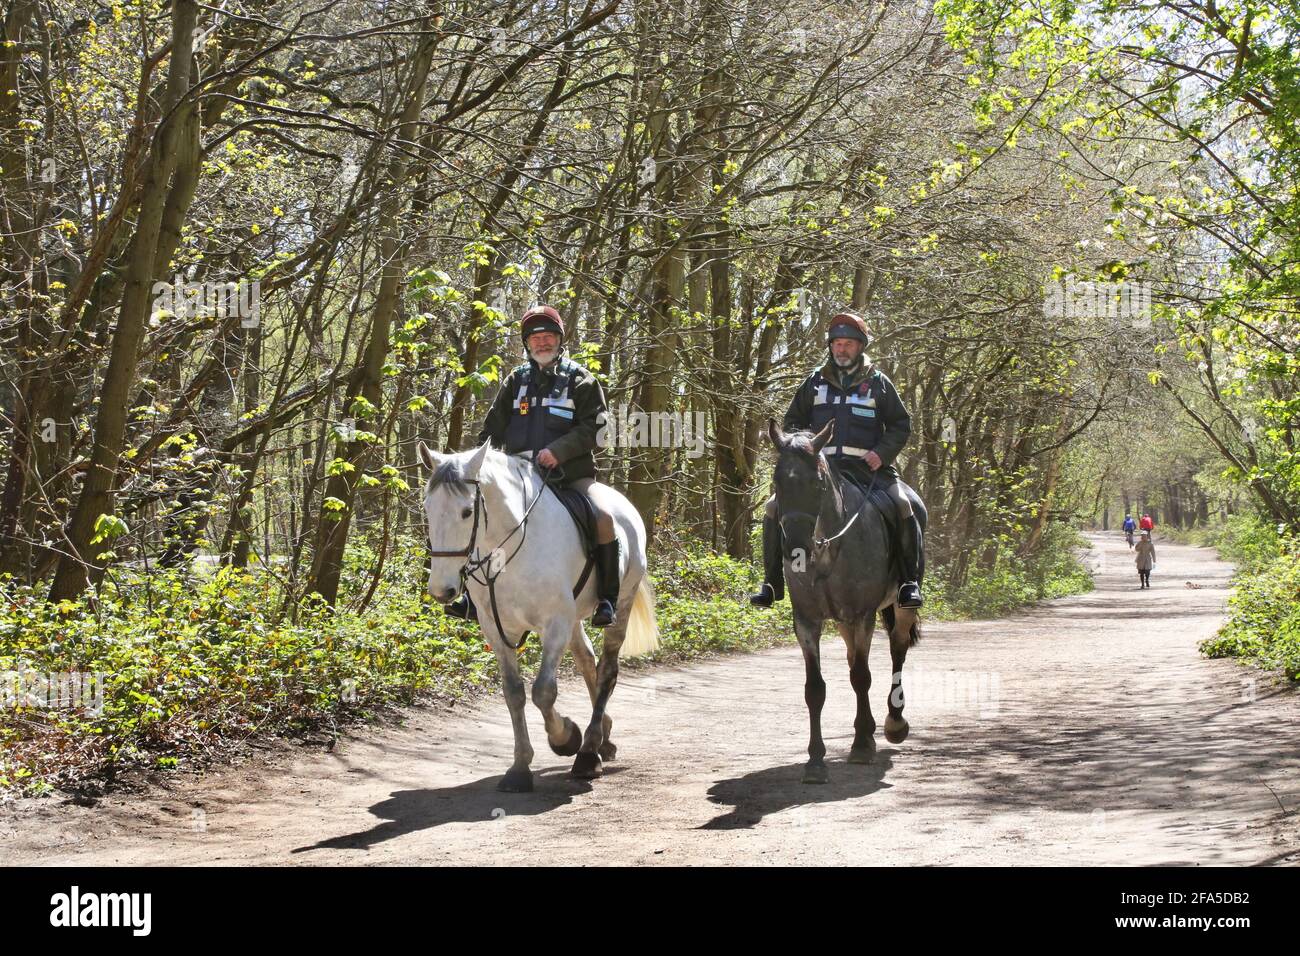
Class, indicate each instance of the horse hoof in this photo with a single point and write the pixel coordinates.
(572, 744)
(896, 730)
(607, 751)
(586, 766)
(516, 781)
(863, 754)
(815, 773)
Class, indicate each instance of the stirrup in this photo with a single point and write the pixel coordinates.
(909, 595)
(604, 615)
(765, 596)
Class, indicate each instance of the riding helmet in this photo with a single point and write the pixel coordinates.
(847, 325)
(541, 318)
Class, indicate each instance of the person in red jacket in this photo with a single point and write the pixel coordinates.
(1146, 524)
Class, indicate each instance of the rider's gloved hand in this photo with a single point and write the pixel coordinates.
(547, 459)
(872, 459)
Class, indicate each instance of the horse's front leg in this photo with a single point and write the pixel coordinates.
(519, 778)
(809, 633)
(857, 637)
(562, 733)
(900, 639)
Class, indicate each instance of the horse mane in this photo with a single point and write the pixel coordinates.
(451, 472)
(801, 441)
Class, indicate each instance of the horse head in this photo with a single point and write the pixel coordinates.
(804, 483)
(453, 510)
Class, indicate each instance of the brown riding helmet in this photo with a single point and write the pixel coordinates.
(847, 325)
(541, 318)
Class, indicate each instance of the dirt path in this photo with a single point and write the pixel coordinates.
(1085, 731)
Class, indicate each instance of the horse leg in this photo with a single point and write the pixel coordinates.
(901, 624)
(588, 763)
(809, 633)
(584, 655)
(519, 778)
(561, 733)
(857, 637)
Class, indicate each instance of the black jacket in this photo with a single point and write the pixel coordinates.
(557, 409)
(869, 414)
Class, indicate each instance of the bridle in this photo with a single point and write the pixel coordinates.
(823, 479)
(478, 564)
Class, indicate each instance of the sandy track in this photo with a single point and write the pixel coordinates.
(1087, 730)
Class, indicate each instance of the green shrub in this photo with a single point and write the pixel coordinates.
(191, 663)
(1011, 581)
(1263, 623)
(1246, 540)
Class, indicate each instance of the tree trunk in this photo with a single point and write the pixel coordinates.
(80, 564)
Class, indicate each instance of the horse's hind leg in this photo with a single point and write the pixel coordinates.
(585, 657)
(588, 764)
(857, 637)
(809, 633)
(901, 622)
(562, 734)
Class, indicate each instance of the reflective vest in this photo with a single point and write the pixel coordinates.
(857, 425)
(538, 419)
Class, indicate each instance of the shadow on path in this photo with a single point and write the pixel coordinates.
(757, 794)
(409, 811)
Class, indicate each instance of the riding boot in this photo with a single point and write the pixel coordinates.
(608, 583)
(909, 563)
(462, 608)
(773, 588)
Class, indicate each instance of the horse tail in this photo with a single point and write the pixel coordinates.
(642, 628)
(887, 617)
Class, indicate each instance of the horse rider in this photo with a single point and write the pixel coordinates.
(871, 427)
(549, 407)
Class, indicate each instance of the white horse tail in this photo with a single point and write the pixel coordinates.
(642, 628)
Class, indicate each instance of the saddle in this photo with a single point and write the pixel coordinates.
(879, 498)
(584, 519)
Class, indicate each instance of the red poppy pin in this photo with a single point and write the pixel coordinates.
(864, 388)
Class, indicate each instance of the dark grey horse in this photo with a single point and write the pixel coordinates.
(838, 566)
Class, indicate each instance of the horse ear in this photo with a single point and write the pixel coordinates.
(775, 434)
(428, 456)
(822, 437)
(473, 466)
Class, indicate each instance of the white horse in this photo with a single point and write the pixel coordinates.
(490, 518)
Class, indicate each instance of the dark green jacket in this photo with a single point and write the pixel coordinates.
(868, 414)
(563, 409)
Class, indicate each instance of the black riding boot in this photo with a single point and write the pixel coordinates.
(607, 584)
(909, 563)
(773, 588)
(462, 607)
